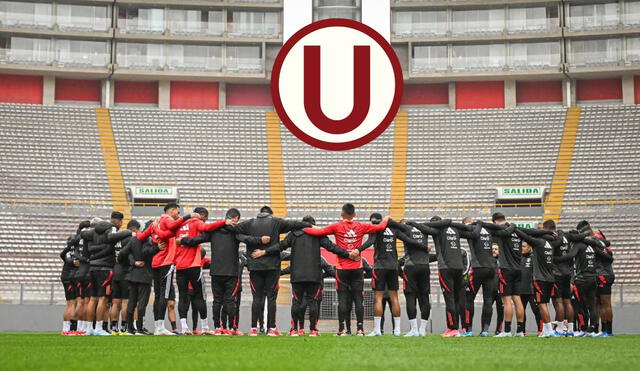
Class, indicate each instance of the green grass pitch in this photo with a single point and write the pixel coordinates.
(46, 351)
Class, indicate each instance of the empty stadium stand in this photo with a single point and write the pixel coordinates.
(53, 172)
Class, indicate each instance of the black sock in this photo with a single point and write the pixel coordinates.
(520, 327)
(507, 326)
(114, 326)
(123, 326)
(340, 326)
(360, 326)
(173, 326)
(610, 327)
(140, 323)
(74, 325)
(105, 326)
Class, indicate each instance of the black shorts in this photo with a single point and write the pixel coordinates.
(120, 289)
(416, 279)
(544, 290)
(100, 281)
(563, 287)
(385, 279)
(70, 290)
(350, 280)
(508, 281)
(604, 285)
(83, 288)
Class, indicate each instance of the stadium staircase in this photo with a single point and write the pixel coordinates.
(276, 167)
(112, 163)
(399, 169)
(555, 199)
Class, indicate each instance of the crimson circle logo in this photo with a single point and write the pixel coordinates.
(336, 84)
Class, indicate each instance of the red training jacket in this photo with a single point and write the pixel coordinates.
(349, 235)
(189, 257)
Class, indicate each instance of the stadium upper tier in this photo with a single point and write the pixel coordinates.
(51, 157)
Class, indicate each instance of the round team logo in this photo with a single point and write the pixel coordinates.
(336, 84)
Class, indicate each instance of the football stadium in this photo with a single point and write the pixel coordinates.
(173, 194)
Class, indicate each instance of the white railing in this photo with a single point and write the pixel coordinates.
(84, 23)
(244, 65)
(141, 61)
(83, 59)
(195, 63)
(585, 59)
(139, 26)
(243, 29)
(24, 56)
(27, 20)
(196, 28)
(429, 65)
(420, 29)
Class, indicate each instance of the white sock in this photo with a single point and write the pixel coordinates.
(396, 323)
(561, 327)
(423, 326)
(414, 324)
(80, 325)
(547, 327)
(158, 324)
(376, 324)
(205, 325)
(570, 327)
(98, 326)
(183, 323)
(66, 325)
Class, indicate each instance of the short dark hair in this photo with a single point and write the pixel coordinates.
(83, 224)
(582, 224)
(233, 213)
(498, 216)
(375, 216)
(133, 224)
(348, 209)
(435, 218)
(309, 219)
(148, 223)
(549, 225)
(266, 209)
(201, 210)
(170, 205)
(117, 215)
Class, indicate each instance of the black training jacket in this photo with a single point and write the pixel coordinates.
(584, 254)
(81, 252)
(102, 240)
(121, 267)
(136, 250)
(267, 225)
(480, 241)
(385, 255)
(68, 269)
(446, 238)
(225, 243)
(543, 269)
(306, 265)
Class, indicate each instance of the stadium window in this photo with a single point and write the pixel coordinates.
(195, 57)
(429, 59)
(534, 55)
(82, 17)
(30, 51)
(594, 52)
(141, 20)
(255, 24)
(420, 23)
(140, 55)
(350, 9)
(593, 16)
(244, 59)
(632, 13)
(478, 21)
(82, 53)
(478, 57)
(26, 14)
